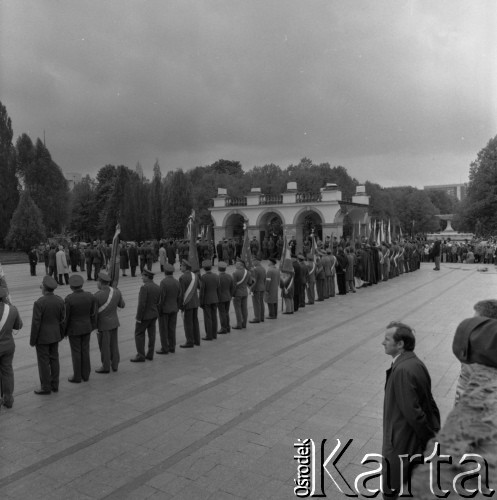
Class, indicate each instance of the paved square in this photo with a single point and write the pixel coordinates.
(219, 421)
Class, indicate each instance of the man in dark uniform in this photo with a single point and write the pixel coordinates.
(189, 303)
(168, 310)
(209, 298)
(47, 327)
(320, 277)
(108, 299)
(9, 320)
(89, 262)
(52, 266)
(226, 289)
(96, 258)
(272, 287)
(81, 320)
(305, 278)
(133, 259)
(33, 260)
(257, 289)
(146, 317)
(297, 283)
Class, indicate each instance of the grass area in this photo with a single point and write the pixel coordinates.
(13, 257)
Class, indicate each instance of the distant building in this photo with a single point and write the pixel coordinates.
(458, 191)
(72, 179)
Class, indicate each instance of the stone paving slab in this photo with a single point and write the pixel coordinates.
(219, 421)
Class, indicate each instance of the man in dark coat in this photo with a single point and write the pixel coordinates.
(33, 260)
(189, 304)
(171, 253)
(133, 259)
(226, 289)
(209, 298)
(89, 262)
(9, 320)
(272, 288)
(297, 283)
(258, 288)
(435, 252)
(47, 327)
(108, 299)
(241, 281)
(169, 297)
(81, 320)
(146, 317)
(410, 415)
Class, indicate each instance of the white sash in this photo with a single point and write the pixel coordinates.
(313, 268)
(109, 298)
(5, 315)
(189, 290)
(243, 279)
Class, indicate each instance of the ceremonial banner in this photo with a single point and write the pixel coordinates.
(115, 259)
(246, 255)
(389, 235)
(192, 251)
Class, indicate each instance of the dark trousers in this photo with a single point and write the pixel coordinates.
(147, 325)
(52, 271)
(66, 278)
(320, 288)
(224, 315)
(192, 329)
(302, 296)
(342, 284)
(88, 269)
(142, 265)
(241, 311)
(311, 295)
(7, 377)
(273, 309)
(32, 268)
(330, 285)
(109, 349)
(258, 304)
(48, 365)
(296, 298)
(167, 331)
(133, 271)
(96, 270)
(210, 321)
(80, 353)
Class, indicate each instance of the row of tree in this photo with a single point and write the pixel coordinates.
(160, 207)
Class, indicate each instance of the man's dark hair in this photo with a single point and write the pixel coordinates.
(486, 308)
(405, 333)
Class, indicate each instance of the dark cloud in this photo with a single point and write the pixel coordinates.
(396, 91)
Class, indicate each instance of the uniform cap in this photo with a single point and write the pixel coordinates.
(148, 274)
(168, 268)
(76, 280)
(206, 263)
(103, 276)
(222, 265)
(49, 282)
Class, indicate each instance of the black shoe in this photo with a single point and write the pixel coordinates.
(254, 321)
(42, 392)
(207, 338)
(150, 357)
(171, 351)
(186, 346)
(236, 327)
(221, 332)
(162, 351)
(197, 343)
(137, 359)
(73, 380)
(101, 370)
(114, 369)
(55, 389)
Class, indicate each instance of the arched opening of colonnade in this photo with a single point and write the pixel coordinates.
(307, 222)
(271, 227)
(234, 226)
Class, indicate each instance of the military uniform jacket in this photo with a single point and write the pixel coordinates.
(47, 326)
(305, 272)
(326, 263)
(13, 322)
(241, 279)
(259, 279)
(81, 313)
(133, 257)
(209, 289)
(226, 287)
(107, 318)
(148, 301)
(311, 272)
(272, 285)
(170, 293)
(184, 280)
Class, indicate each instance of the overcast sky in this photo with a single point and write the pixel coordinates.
(396, 91)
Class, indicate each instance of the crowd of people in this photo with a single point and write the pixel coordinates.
(475, 251)
(299, 280)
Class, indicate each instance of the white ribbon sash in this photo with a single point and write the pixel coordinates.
(189, 290)
(109, 298)
(5, 315)
(243, 279)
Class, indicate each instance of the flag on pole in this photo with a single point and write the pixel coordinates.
(115, 258)
(389, 235)
(192, 250)
(246, 254)
(400, 229)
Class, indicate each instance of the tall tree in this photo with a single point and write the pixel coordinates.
(177, 204)
(27, 228)
(9, 185)
(84, 217)
(156, 202)
(481, 202)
